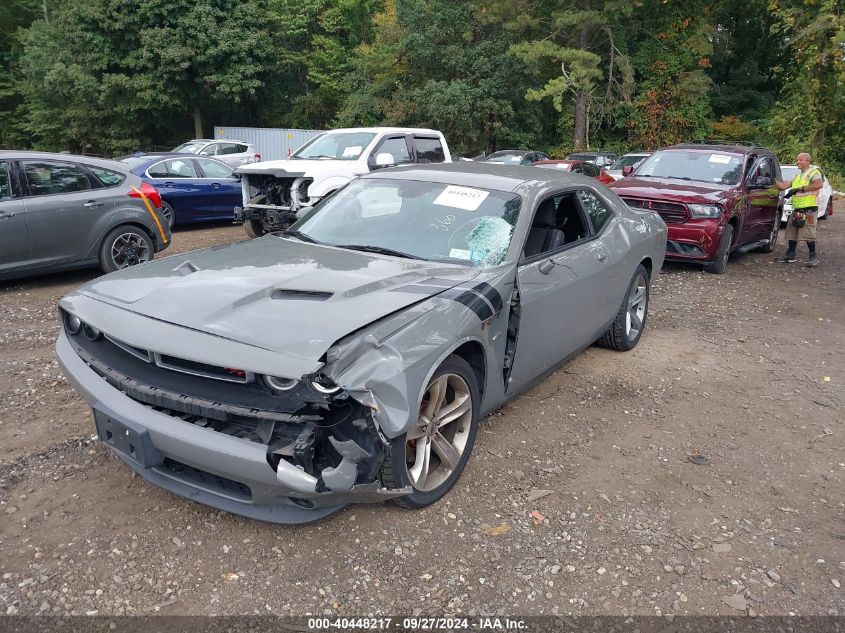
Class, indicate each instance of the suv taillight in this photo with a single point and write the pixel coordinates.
(150, 192)
(257, 158)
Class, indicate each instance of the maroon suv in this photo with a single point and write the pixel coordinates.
(715, 199)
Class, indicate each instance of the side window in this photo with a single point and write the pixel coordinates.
(5, 182)
(108, 177)
(212, 149)
(763, 173)
(397, 148)
(47, 178)
(213, 169)
(577, 169)
(429, 150)
(228, 148)
(592, 170)
(241, 148)
(179, 168)
(595, 208)
(557, 223)
(159, 170)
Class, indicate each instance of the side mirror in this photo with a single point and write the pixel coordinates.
(627, 170)
(384, 159)
(204, 153)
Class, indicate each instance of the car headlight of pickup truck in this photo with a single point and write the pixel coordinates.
(705, 210)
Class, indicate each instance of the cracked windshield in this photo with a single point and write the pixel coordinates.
(417, 220)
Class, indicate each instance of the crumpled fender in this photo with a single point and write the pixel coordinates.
(387, 366)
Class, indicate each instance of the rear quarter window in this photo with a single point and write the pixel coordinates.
(107, 177)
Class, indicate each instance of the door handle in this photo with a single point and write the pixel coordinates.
(601, 256)
(92, 203)
(7, 214)
(216, 185)
(169, 184)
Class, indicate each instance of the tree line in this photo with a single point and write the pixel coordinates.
(112, 76)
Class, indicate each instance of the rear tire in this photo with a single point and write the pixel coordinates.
(125, 246)
(720, 263)
(254, 228)
(445, 432)
(630, 321)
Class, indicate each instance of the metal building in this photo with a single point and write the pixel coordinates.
(271, 143)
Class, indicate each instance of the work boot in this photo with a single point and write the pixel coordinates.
(813, 261)
(788, 258)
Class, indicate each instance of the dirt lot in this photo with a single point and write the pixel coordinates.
(746, 368)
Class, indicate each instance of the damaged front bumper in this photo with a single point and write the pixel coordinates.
(268, 465)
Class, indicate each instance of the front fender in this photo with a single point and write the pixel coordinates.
(318, 189)
(387, 368)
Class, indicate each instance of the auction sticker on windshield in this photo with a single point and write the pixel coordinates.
(464, 198)
(720, 158)
(352, 151)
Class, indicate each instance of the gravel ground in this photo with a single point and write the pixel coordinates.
(580, 497)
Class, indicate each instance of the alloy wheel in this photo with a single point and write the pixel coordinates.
(129, 249)
(637, 304)
(435, 446)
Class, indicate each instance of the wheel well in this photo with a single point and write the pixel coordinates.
(734, 222)
(473, 354)
(137, 226)
(649, 266)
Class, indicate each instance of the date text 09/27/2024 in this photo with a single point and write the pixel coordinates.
(417, 623)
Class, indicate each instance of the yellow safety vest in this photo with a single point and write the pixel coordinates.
(807, 198)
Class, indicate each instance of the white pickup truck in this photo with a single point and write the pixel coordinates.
(274, 191)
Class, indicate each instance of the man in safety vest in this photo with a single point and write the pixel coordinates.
(801, 224)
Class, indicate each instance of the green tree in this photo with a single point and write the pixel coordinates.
(14, 15)
(104, 75)
(573, 46)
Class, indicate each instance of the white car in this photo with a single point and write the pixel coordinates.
(275, 191)
(628, 160)
(233, 153)
(825, 194)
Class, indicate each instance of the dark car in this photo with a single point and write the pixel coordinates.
(577, 167)
(715, 199)
(59, 211)
(602, 159)
(514, 157)
(193, 189)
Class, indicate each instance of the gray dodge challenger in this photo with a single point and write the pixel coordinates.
(350, 358)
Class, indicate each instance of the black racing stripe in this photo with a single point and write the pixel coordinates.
(471, 300)
(491, 294)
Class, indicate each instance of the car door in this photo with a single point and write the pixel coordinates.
(561, 305)
(396, 145)
(181, 186)
(761, 202)
(225, 188)
(14, 237)
(64, 211)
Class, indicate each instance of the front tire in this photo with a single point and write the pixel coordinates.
(125, 246)
(720, 263)
(254, 228)
(631, 319)
(432, 455)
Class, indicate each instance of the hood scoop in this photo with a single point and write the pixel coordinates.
(301, 295)
(186, 268)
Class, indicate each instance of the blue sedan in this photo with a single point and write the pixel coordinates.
(193, 189)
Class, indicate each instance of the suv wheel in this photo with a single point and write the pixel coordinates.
(720, 262)
(254, 228)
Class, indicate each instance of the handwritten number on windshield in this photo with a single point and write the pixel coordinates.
(442, 224)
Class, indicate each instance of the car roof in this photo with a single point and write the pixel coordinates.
(509, 151)
(88, 160)
(569, 161)
(379, 130)
(476, 174)
(726, 147)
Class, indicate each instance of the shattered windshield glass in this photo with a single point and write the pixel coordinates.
(335, 146)
(414, 219)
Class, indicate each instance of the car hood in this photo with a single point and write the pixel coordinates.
(295, 168)
(275, 293)
(671, 189)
